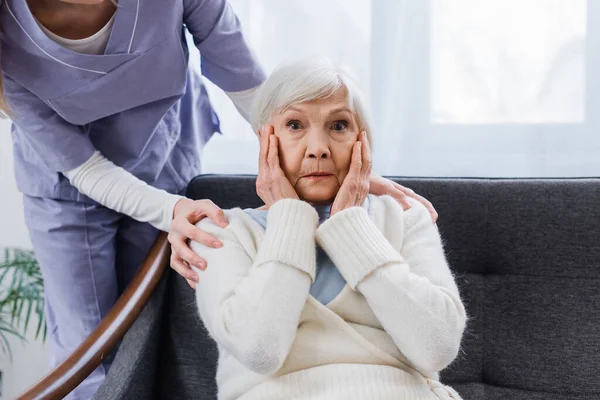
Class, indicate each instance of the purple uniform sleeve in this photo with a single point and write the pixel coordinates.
(226, 58)
(44, 134)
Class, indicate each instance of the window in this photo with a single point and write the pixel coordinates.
(495, 88)
(508, 61)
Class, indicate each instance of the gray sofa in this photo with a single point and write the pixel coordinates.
(526, 254)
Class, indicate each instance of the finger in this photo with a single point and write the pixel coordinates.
(411, 193)
(196, 213)
(431, 209)
(399, 193)
(402, 199)
(213, 211)
(264, 147)
(273, 160)
(189, 256)
(356, 163)
(182, 251)
(183, 269)
(184, 228)
(218, 217)
(366, 155)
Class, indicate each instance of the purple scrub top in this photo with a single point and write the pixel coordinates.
(138, 103)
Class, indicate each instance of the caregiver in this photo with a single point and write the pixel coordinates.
(108, 126)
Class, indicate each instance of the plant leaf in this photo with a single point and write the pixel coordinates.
(21, 295)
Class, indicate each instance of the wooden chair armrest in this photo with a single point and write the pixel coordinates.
(87, 357)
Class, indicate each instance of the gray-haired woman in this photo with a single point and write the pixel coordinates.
(326, 292)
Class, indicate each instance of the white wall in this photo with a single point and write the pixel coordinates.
(29, 359)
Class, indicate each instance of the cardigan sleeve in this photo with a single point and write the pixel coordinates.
(410, 289)
(252, 307)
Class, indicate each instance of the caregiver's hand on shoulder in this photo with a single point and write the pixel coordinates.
(271, 184)
(186, 214)
(381, 186)
(355, 187)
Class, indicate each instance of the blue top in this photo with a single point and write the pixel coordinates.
(328, 280)
(138, 103)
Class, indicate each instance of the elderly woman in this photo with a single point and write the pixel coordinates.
(326, 292)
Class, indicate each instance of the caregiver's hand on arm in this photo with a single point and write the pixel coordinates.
(186, 214)
(381, 186)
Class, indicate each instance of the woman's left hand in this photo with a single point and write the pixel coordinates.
(355, 188)
(381, 186)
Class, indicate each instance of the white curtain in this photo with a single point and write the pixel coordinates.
(494, 88)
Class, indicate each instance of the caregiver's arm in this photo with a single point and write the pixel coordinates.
(66, 148)
(252, 307)
(244, 100)
(411, 290)
(226, 57)
(117, 189)
(381, 186)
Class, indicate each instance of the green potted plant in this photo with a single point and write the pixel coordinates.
(21, 296)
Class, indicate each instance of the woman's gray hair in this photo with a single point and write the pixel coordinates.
(307, 80)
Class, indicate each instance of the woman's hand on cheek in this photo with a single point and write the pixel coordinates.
(271, 184)
(355, 188)
(381, 186)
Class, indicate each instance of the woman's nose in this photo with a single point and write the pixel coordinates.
(321, 154)
(318, 145)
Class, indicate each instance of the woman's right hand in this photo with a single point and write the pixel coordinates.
(186, 214)
(271, 184)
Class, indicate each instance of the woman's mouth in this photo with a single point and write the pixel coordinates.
(318, 176)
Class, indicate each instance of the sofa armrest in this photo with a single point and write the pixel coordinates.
(88, 356)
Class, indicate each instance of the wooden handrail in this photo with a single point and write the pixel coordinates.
(87, 357)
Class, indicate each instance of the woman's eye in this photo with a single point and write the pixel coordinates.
(340, 125)
(294, 125)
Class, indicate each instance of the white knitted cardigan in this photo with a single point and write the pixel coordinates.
(395, 325)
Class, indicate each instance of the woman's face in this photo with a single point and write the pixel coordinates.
(315, 146)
